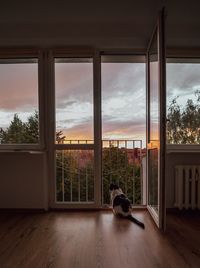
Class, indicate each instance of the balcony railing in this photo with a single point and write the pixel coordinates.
(121, 163)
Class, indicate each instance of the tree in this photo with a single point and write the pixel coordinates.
(183, 125)
(59, 137)
(19, 132)
(118, 169)
(75, 172)
(74, 175)
(15, 133)
(32, 128)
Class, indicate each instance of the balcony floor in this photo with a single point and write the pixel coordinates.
(96, 239)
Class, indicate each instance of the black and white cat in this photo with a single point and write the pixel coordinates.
(121, 204)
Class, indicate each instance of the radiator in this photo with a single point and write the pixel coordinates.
(187, 187)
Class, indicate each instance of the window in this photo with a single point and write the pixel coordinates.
(75, 176)
(74, 100)
(123, 125)
(183, 101)
(19, 102)
(74, 128)
(123, 98)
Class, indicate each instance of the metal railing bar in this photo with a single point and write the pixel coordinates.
(73, 169)
(79, 182)
(63, 174)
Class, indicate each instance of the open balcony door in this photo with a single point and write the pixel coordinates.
(156, 120)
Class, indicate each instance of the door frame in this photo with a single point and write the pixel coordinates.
(96, 54)
(160, 218)
(51, 127)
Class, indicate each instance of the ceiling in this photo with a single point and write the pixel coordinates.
(102, 24)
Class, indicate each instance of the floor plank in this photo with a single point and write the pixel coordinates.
(183, 232)
(95, 239)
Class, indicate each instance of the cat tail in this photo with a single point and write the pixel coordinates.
(131, 218)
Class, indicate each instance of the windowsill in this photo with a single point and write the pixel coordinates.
(182, 148)
(21, 152)
(37, 147)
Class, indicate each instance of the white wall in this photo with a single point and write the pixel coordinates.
(173, 159)
(22, 180)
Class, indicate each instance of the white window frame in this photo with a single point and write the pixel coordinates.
(175, 56)
(51, 125)
(32, 54)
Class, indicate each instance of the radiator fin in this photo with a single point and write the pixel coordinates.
(187, 187)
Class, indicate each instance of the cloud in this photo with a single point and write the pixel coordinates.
(111, 128)
(70, 123)
(123, 97)
(63, 103)
(82, 131)
(126, 128)
(123, 101)
(182, 80)
(74, 82)
(74, 114)
(19, 87)
(122, 78)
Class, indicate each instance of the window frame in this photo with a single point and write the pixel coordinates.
(75, 52)
(32, 54)
(61, 57)
(183, 56)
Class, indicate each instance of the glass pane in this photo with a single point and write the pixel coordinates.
(19, 119)
(74, 100)
(123, 99)
(153, 178)
(154, 101)
(75, 176)
(154, 116)
(154, 91)
(122, 164)
(123, 125)
(183, 101)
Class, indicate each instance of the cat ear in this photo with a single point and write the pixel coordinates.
(113, 187)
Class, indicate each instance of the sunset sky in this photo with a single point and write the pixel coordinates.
(123, 96)
(18, 91)
(123, 100)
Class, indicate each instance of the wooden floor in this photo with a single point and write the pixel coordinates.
(183, 233)
(95, 240)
